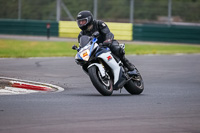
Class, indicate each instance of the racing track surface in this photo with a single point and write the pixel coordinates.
(170, 102)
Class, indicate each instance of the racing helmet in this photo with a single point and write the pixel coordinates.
(84, 19)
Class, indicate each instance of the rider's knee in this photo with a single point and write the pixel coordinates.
(117, 50)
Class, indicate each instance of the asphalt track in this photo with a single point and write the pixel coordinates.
(170, 102)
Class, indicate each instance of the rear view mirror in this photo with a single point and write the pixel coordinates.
(74, 47)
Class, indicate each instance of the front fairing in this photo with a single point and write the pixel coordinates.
(84, 40)
(85, 52)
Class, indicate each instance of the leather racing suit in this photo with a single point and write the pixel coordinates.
(105, 35)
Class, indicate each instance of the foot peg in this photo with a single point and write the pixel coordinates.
(133, 73)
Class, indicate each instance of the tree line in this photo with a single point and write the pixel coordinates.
(108, 10)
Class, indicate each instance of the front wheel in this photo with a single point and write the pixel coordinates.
(104, 85)
(135, 86)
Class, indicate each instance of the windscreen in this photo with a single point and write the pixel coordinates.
(84, 40)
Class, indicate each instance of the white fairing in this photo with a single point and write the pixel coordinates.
(108, 58)
(101, 69)
(122, 45)
(85, 52)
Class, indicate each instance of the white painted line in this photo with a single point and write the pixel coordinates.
(13, 90)
(8, 90)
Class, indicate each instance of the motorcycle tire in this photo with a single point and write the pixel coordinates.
(99, 84)
(135, 86)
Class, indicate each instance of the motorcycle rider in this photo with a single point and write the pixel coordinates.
(88, 26)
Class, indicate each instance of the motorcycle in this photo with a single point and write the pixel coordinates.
(106, 71)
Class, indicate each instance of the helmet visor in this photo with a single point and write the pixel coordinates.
(82, 22)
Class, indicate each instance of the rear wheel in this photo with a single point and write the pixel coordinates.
(136, 85)
(104, 85)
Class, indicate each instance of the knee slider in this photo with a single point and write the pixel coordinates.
(122, 51)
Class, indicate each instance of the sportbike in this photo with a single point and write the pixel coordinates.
(106, 71)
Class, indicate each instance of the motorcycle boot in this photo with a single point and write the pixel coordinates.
(127, 64)
(131, 68)
(120, 53)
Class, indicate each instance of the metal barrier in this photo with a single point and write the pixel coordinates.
(122, 31)
(166, 33)
(28, 27)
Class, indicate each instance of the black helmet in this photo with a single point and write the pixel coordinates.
(84, 19)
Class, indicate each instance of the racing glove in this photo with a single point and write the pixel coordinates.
(107, 42)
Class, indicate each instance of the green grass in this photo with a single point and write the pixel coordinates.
(24, 49)
(162, 49)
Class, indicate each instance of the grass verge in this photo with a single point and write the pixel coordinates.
(25, 49)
